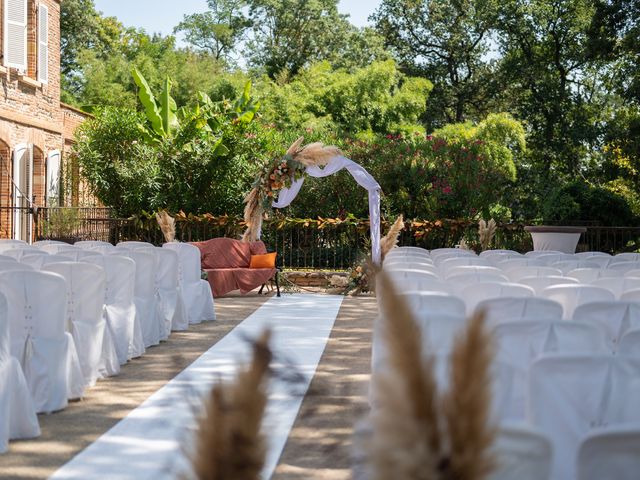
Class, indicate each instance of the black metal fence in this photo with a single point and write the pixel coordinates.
(305, 243)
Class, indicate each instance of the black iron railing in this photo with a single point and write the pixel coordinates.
(305, 243)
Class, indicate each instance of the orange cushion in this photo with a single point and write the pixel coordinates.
(268, 260)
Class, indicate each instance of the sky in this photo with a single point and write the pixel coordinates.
(160, 16)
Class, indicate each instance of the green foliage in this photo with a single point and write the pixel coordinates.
(578, 202)
(188, 159)
(375, 98)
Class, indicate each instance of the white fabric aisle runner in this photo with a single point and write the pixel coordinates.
(146, 444)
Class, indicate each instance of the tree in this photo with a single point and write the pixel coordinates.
(445, 41)
(552, 82)
(289, 34)
(217, 31)
(81, 28)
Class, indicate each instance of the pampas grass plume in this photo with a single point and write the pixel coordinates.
(390, 240)
(167, 225)
(486, 232)
(229, 445)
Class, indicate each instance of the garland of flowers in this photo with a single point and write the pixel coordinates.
(281, 173)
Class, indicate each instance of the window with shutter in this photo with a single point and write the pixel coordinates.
(43, 44)
(15, 34)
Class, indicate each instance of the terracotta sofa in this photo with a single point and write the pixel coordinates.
(226, 262)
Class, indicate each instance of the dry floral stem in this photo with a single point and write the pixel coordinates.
(229, 443)
(390, 240)
(167, 225)
(418, 434)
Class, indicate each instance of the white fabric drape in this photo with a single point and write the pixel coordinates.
(360, 175)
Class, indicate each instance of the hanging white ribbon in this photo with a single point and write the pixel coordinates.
(361, 176)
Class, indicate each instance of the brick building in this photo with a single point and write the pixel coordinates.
(36, 130)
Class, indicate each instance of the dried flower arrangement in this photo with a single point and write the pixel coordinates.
(390, 240)
(486, 232)
(167, 224)
(229, 444)
(278, 175)
(417, 433)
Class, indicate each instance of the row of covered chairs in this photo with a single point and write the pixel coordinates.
(567, 361)
(76, 313)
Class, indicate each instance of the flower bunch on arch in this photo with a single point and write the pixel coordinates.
(278, 175)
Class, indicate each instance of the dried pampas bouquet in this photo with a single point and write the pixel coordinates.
(414, 431)
(486, 232)
(167, 224)
(229, 444)
(278, 175)
(390, 240)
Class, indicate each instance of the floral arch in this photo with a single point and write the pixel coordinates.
(280, 182)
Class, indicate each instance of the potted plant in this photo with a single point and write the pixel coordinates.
(62, 224)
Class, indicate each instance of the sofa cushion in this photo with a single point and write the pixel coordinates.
(266, 260)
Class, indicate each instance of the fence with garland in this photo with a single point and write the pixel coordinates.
(321, 243)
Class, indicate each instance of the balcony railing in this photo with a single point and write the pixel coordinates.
(307, 243)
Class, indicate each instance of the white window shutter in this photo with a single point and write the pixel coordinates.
(15, 34)
(43, 43)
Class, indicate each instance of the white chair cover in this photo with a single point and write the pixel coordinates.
(585, 255)
(551, 258)
(58, 248)
(610, 454)
(601, 261)
(89, 244)
(147, 318)
(459, 282)
(631, 295)
(522, 453)
(408, 252)
(7, 244)
(411, 265)
(103, 249)
(618, 285)
(439, 257)
(467, 260)
(508, 309)
(630, 343)
(407, 280)
(86, 284)
(37, 262)
(425, 304)
(627, 256)
(37, 313)
(438, 332)
(613, 318)
(570, 395)
(540, 283)
(517, 273)
(567, 265)
(18, 253)
(79, 254)
(407, 257)
(48, 242)
(7, 258)
(119, 306)
(589, 275)
(18, 417)
(572, 296)
(632, 273)
(475, 293)
(14, 266)
(521, 342)
(439, 252)
(511, 263)
(131, 244)
(498, 251)
(540, 253)
(172, 307)
(464, 269)
(196, 292)
(622, 267)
